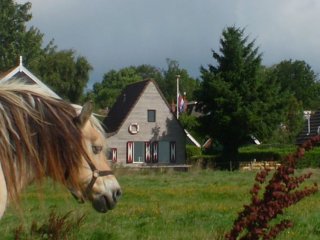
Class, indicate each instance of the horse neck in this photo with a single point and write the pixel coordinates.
(22, 179)
(25, 176)
(3, 193)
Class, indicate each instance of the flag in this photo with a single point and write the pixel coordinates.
(180, 103)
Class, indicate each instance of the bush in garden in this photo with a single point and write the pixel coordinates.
(192, 151)
(282, 191)
(311, 159)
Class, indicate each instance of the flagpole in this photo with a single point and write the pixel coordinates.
(178, 77)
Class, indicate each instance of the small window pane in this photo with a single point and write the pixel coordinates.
(151, 115)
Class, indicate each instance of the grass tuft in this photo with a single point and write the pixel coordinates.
(56, 227)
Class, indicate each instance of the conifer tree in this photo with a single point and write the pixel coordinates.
(236, 97)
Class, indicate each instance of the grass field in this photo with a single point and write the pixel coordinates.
(172, 205)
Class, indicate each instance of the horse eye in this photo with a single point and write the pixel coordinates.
(96, 149)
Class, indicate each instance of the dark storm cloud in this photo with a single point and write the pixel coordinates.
(116, 33)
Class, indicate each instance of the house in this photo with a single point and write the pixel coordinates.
(141, 128)
(23, 74)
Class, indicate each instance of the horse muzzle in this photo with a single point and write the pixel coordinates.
(103, 203)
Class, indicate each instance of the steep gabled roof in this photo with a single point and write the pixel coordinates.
(125, 103)
(20, 72)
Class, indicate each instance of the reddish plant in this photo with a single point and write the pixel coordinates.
(282, 191)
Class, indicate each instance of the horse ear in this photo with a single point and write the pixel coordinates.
(85, 114)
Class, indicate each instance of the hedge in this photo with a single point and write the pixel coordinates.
(311, 159)
(274, 152)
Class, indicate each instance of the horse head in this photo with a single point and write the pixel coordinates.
(96, 180)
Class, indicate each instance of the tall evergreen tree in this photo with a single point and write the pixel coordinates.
(237, 101)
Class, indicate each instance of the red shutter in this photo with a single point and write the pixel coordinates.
(147, 152)
(114, 155)
(172, 152)
(129, 152)
(155, 152)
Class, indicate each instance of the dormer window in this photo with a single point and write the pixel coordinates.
(151, 115)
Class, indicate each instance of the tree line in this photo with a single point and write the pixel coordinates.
(62, 70)
(238, 96)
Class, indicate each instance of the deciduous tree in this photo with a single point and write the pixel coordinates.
(106, 92)
(299, 79)
(15, 38)
(66, 73)
(168, 86)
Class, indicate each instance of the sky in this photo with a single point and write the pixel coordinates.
(113, 34)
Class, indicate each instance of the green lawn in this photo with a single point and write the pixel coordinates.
(172, 205)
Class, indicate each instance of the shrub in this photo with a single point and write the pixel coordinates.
(260, 156)
(311, 159)
(277, 152)
(282, 191)
(192, 151)
(265, 152)
(56, 228)
(212, 162)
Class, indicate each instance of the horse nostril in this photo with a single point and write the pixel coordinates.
(117, 194)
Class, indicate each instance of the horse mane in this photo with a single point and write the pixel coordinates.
(38, 136)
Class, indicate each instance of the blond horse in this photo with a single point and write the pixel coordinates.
(43, 136)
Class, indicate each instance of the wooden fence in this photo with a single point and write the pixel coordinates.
(254, 165)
